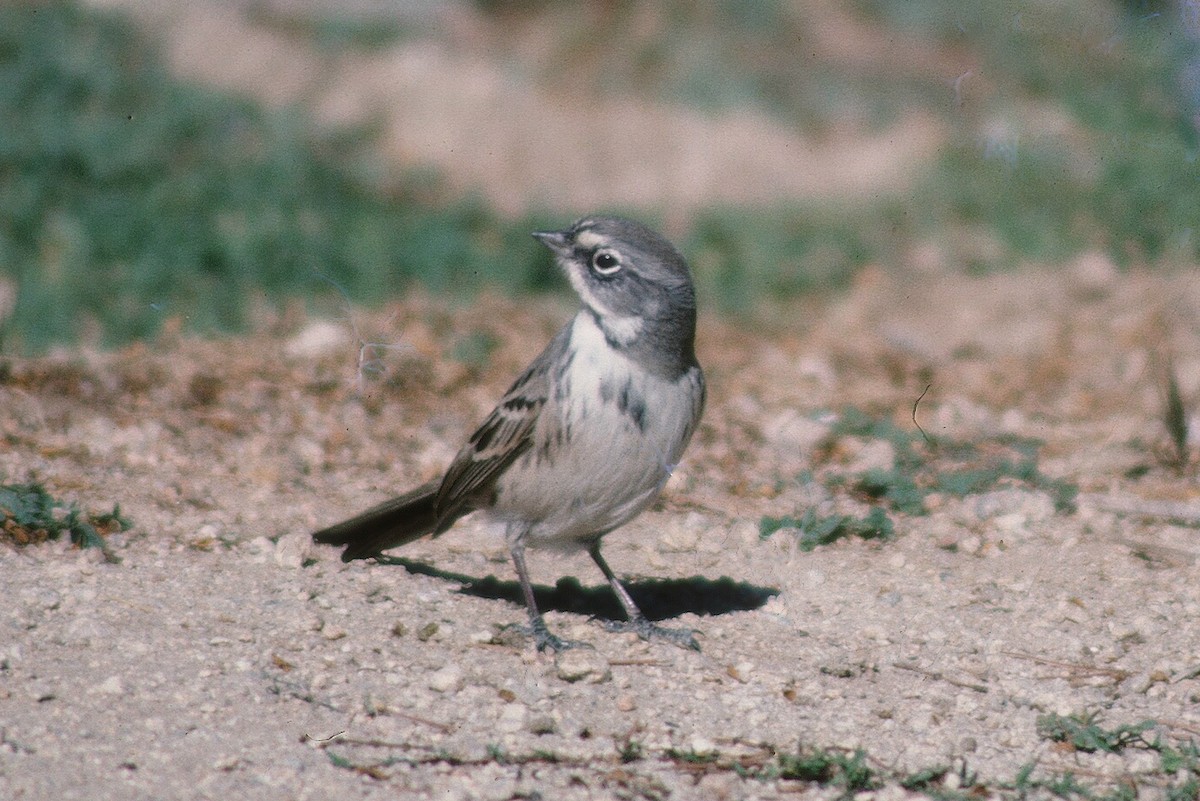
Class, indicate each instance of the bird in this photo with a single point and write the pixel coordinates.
(587, 436)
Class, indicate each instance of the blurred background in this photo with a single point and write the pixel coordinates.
(182, 164)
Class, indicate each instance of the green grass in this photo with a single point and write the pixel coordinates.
(921, 467)
(828, 768)
(840, 773)
(1122, 175)
(950, 467)
(128, 198)
(1179, 764)
(1083, 733)
(816, 530)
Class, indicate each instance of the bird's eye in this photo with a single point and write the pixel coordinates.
(605, 262)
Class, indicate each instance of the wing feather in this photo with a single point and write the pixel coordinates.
(501, 439)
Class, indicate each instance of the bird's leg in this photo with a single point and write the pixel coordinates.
(542, 637)
(637, 623)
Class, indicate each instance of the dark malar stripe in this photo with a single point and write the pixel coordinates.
(631, 402)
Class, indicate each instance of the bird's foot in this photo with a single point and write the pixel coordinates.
(543, 638)
(684, 638)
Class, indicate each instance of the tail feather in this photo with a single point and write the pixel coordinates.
(391, 524)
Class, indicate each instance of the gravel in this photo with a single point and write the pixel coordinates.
(225, 656)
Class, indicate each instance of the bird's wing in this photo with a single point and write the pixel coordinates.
(504, 436)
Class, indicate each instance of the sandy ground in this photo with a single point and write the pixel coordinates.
(499, 111)
(224, 656)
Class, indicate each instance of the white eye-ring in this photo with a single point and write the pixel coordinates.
(606, 262)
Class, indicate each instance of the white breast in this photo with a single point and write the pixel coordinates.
(606, 442)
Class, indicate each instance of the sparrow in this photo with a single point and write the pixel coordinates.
(586, 437)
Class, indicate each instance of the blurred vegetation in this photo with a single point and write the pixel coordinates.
(920, 467)
(1119, 172)
(127, 198)
(1071, 127)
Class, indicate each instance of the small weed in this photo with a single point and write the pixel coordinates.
(630, 751)
(1185, 757)
(815, 530)
(828, 767)
(949, 467)
(893, 487)
(691, 757)
(1187, 791)
(1083, 733)
(29, 515)
(924, 779)
(845, 773)
(1179, 763)
(921, 467)
(1175, 421)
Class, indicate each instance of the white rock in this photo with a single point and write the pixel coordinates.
(319, 338)
(1030, 505)
(512, 717)
(307, 454)
(259, 548)
(111, 686)
(582, 664)
(874, 454)
(293, 550)
(682, 534)
(447, 680)
(481, 636)
(791, 431)
(741, 671)
(744, 533)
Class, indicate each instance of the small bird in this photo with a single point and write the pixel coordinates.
(586, 437)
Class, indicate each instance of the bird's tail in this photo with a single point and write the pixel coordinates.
(389, 525)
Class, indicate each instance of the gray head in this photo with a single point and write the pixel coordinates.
(636, 286)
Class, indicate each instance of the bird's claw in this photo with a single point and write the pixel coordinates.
(543, 638)
(684, 638)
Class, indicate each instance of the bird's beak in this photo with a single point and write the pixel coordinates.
(558, 241)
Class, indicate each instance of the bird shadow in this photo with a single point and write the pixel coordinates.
(659, 599)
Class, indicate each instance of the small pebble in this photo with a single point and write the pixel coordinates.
(111, 686)
(447, 680)
(318, 338)
(741, 671)
(482, 636)
(293, 550)
(542, 724)
(582, 664)
(682, 534)
(512, 717)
